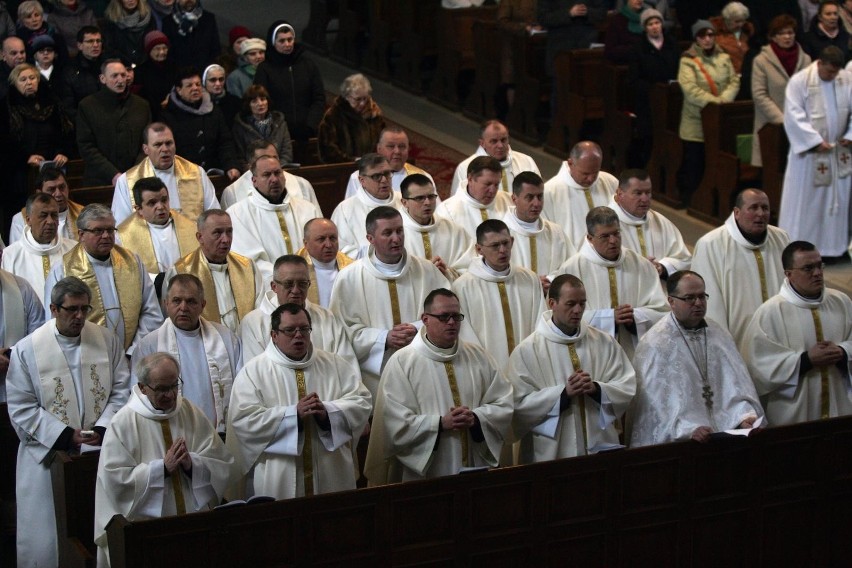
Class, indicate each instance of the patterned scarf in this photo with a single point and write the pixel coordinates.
(187, 21)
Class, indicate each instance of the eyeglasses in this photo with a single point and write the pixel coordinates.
(445, 318)
(810, 268)
(422, 198)
(691, 298)
(291, 331)
(166, 389)
(378, 177)
(607, 236)
(99, 232)
(289, 284)
(85, 310)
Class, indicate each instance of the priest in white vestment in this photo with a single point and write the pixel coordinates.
(444, 405)
(41, 245)
(208, 353)
(380, 297)
(393, 146)
(269, 222)
(540, 245)
(161, 457)
(157, 234)
(692, 381)
(22, 313)
(624, 293)
(815, 203)
(243, 185)
(51, 181)
(123, 296)
(645, 231)
(233, 286)
(576, 189)
(572, 383)
(65, 383)
(741, 262)
(190, 190)
(481, 200)
(494, 142)
(798, 346)
(325, 261)
(290, 285)
(429, 236)
(296, 412)
(375, 191)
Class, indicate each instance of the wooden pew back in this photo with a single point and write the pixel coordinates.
(667, 152)
(74, 499)
(774, 149)
(580, 97)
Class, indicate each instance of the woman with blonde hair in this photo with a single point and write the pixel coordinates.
(127, 22)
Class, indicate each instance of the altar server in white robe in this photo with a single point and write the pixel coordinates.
(22, 314)
(577, 188)
(41, 245)
(290, 285)
(190, 190)
(295, 413)
(741, 262)
(51, 181)
(540, 245)
(123, 296)
(269, 222)
(502, 302)
(494, 142)
(444, 405)
(429, 236)
(818, 121)
(233, 286)
(208, 353)
(393, 145)
(349, 216)
(571, 382)
(380, 296)
(799, 343)
(65, 383)
(482, 200)
(243, 185)
(646, 231)
(161, 457)
(325, 261)
(692, 381)
(624, 293)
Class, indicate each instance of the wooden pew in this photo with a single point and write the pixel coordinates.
(381, 14)
(617, 122)
(329, 182)
(345, 48)
(774, 149)
(418, 48)
(724, 174)
(667, 152)
(779, 498)
(487, 47)
(532, 86)
(74, 498)
(579, 97)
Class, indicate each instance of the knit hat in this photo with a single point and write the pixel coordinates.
(236, 33)
(43, 41)
(155, 38)
(649, 13)
(701, 25)
(252, 43)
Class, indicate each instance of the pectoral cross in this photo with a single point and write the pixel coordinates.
(844, 158)
(822, 168)
(707, 395)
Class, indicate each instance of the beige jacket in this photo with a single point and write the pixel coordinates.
(696, 89)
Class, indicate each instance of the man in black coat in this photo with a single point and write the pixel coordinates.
(81, 76)
(193, 33)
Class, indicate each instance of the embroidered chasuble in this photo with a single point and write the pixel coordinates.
(189, 186)
(136, 236)
(313, 292)
(240, 275)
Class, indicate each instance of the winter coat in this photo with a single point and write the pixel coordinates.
(201, 134)
(245, 133)
(345, 135)
(696, 89)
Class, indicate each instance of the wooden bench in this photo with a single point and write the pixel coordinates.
(724, 174)
(617, 120)
(74, 499)
(329, 182)
(779, 498)
(579, 97)
(667, 151)
(774, 149)
(533, 87)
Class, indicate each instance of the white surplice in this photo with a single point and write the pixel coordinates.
(467, 212)
(21, 313)
(566, 205)
(539, 371)
(243, 186)
(662, 239)
(515, 163)
(446, 240)
(25, 258)
(406, 442)
(350, 216)
(781, 330)
(670, 369)
(551, 246)
(727, 261)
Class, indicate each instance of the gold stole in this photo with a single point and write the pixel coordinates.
(189, 187)
(240, 275)
(313, 292)
(484, 214)
(761, 271)
(581, 399)
(588, 194)
(504, 181)
(128, 286)
(613, 287)
(394, 299)
(136, 236)
(180, 503)
(642, 247)
(427, 245)
(285, 233)
(454, 389)
(307, 455)
(824, 401)
(533, 254)
(507, 317)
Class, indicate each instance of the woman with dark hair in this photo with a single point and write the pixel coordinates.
(156, 76)
(257, 122)
(127, 22)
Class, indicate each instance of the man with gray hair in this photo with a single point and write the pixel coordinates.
(162, 456)
(65, 383)
(123, 297)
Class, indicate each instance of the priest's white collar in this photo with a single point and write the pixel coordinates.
(165, 226)
(480, 269)
(739, 237)
(431, 351)
(67, 341)
(188, 333)
(391, 270)
(170, 170)
(216, 267)
(331, 265)
(140, 404)
(278, 358)
(364, 197)
(515, 222)
(588, 252)
(258, 200)
(565, 174)
(791, 295)
(473, 202)
(412, 223)
(505, 164)
(549, 330)
(97, 262)
(625, 216)
(29, 242)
